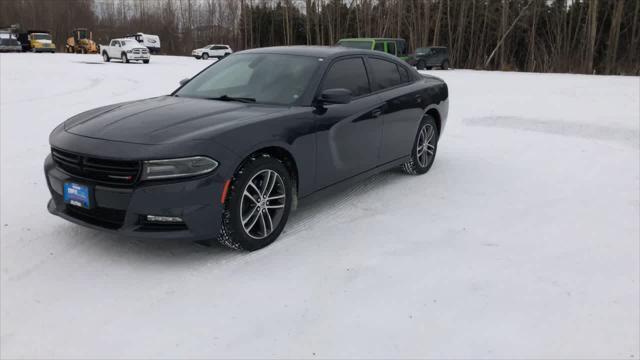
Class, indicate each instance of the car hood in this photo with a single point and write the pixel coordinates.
(165, 119)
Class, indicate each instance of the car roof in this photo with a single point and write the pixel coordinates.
(317, 51)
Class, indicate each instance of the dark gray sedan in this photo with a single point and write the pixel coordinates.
(227, 155)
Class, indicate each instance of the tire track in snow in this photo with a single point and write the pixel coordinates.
(624, 136)
(94, 82)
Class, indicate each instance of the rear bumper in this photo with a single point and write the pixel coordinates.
(123, 210)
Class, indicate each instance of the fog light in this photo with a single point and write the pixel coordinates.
(164, 219)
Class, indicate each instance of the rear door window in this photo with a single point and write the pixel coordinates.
(385, 74)
(379, 46)
(348, 74)
(404, 74)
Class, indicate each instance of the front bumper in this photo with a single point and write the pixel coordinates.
(44, 49)
(123, 210)
(10, 48)
(138, 56)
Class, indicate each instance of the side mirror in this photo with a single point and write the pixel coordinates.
(184, 81)
(336, 96)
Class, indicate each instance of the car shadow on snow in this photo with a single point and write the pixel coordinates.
(308, 216)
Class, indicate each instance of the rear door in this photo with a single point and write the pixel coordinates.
(348, 135)
(402, 107)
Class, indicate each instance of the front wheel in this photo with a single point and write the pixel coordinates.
(421, 65)
(145, 61)
(445, 65)
(124, 58)
(105, 57)
(205, 56)
(258, 204)
(424, 148)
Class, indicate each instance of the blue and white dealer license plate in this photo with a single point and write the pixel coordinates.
(77, 195)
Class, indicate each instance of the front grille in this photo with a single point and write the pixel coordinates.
(103, 217)
(105, 171)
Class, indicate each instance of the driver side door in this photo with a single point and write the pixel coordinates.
(348, 136)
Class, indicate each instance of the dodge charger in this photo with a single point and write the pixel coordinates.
(227, 155)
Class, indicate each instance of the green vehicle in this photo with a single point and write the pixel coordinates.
(397, 47)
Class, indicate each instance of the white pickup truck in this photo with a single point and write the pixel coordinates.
(125, 50)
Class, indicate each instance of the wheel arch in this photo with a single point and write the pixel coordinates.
(433, 112)
(281, 153)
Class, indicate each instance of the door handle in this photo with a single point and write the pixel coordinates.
(375, 113)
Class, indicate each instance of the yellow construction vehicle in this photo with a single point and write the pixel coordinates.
(81, 42)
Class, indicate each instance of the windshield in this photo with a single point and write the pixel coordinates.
(422, 50)
(365, 44)
(40, 36)
(267, 78)
(130, 42)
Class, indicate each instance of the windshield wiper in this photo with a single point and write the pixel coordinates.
(231, 98)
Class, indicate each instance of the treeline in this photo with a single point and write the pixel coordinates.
(580, 36)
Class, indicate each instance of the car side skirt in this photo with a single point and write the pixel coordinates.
(349, 182)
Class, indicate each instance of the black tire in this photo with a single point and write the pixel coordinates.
(105, 56)
(421, 65)
(145, 61)
(445, 65)
(232, 232)
(197, 57)
(205, 56)
(124, 58)
(419, 166)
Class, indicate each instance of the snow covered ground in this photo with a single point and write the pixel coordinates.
(522, 241)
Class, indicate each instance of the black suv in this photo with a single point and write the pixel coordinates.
(429, 57)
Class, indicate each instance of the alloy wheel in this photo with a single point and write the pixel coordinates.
(426, 145)
(263, 203)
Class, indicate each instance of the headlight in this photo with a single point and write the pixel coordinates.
(175, 168)
(129, 51)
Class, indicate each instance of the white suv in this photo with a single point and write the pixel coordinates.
(214, 50)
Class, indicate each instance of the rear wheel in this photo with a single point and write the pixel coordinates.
(105, 56)
(205, 56)
(257, 205)
(424, 149)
